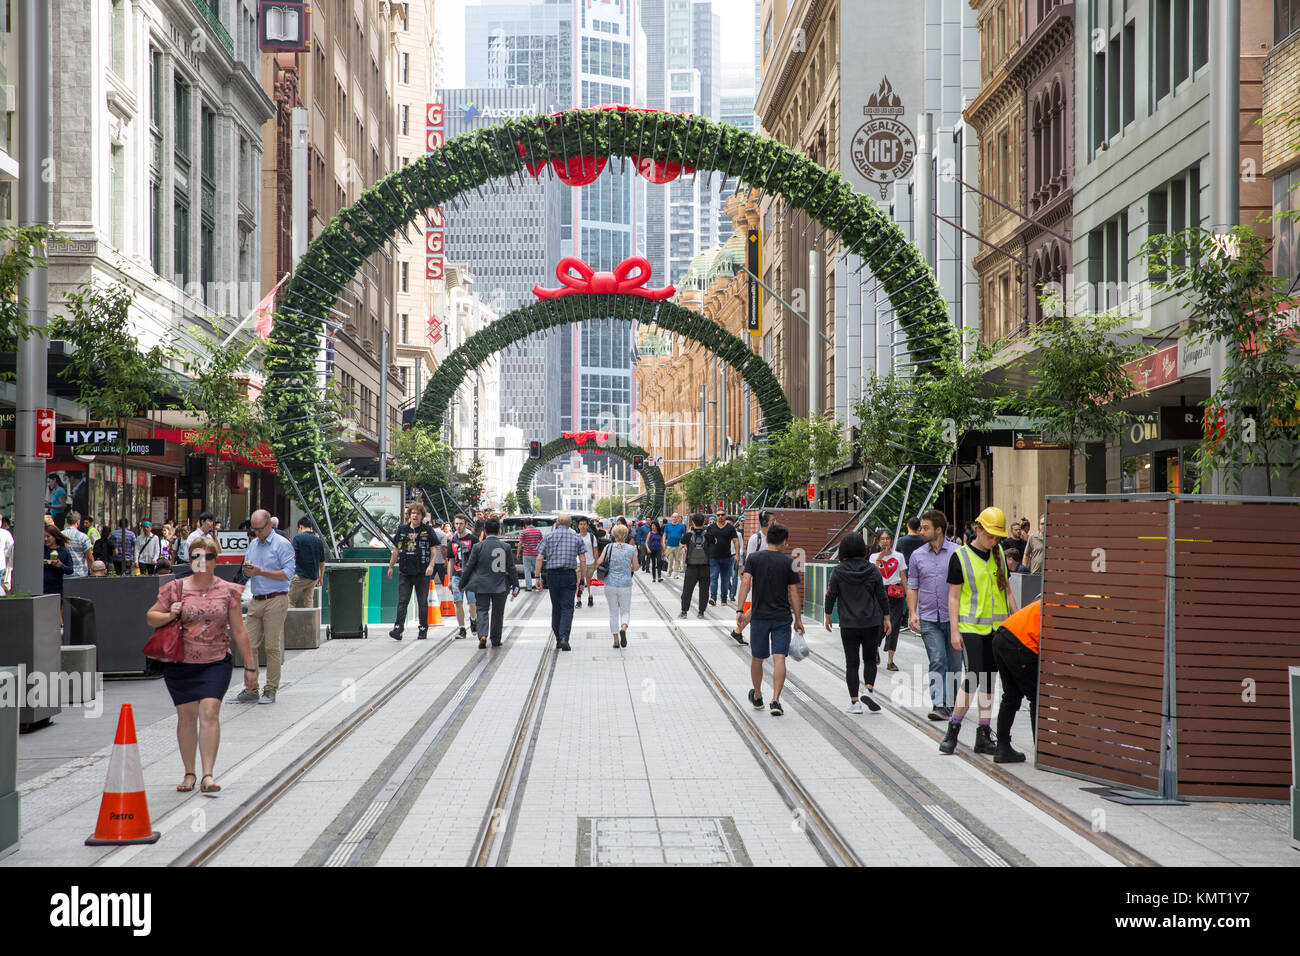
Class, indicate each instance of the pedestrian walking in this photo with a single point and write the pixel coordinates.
(979, 599)
(771, 577)
(149, 549)
(489, 572)
(1034, 547)
(910, 541)
(210, 615)
(641, 535)
(695, 544)
(56, 499)
(724, 551)
(530, 538)
(758, 540)
(565, 557)
(415, 544)
(1015, 646)
(6, 556)
(58, 561)
(308, 564)
(207, 528)
(103, 549)
(268, 565)
(124, 547)
(673, 532)
(893, 568)
(592, 546)
(654, 547)
(857, 587)
(927, 611)
(79, 544)
(623, 561)
(459, 547)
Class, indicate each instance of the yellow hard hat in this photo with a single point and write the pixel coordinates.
(993, 521)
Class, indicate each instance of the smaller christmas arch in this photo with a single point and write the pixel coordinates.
(605, 443)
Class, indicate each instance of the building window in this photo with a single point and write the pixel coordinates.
(181, 241)
(405, 274)
(119, 37)
(767, 36)
(1286, 230)
(405, 114)
(1286, 19)
(1113, 84)
(404, 324)
(181, 123)
(1182, 42)
(1108, 263)
(1173, 207)
(406, 68)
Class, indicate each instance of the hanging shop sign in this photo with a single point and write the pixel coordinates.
(754, 314)
(1033, 441)
(435, 264)
(284, 25)
(1156, 370)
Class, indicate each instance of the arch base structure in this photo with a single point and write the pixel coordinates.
(617, 446)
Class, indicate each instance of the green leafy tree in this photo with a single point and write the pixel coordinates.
(672, 498)
(954, 401)
(421, 459)
(885, 412)
(1079, 381)
(1233, 299)
(510, 503)
(471, 489)
(217, 395)
(115, 378)
(23, 252)
(806, 448)
(537, 504)
(611, 506)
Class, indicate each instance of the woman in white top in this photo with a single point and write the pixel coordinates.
(893, 568)
(618, 582)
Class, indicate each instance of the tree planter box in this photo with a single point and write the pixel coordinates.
(30, 638)
(9, 691)
(120, 625)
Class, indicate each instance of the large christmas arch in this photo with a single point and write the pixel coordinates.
(617, 446)
(661, 145)
(548, 313)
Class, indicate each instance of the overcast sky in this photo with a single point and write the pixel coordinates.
(737, 35)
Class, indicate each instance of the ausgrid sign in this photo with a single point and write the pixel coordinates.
(472, 112)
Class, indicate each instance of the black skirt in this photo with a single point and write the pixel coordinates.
(190, 682)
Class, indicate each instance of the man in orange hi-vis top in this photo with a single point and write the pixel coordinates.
(1015, 646)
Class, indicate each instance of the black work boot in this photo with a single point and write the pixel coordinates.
(949, 743)
(984, 742)
(1005, 753)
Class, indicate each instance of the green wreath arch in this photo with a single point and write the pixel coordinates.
(617, 446)
(475, 159)
(548, 313)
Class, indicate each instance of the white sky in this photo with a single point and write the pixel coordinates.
(737, 35)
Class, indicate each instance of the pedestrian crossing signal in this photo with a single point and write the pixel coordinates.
(534, 449)
(637, 462)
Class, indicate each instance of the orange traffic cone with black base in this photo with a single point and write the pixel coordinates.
(124, 811)
(435, 605)
(448, 605)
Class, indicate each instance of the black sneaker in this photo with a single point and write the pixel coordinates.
(870, 704)
(422, 636)
(577, 603)
(755, 699)
(701, 614)
(776, 708)
(565, 646)
(683, 614)
(622, 637)
(473, 626)
(460, 634)
(591, 599)
(395, 634)
(936, 713)
(712, 602)
(738, 637)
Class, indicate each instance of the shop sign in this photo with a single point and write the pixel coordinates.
(1156, 370)
(8, 418)
(234, 546)
(1192, 359)
(1182, 423)
(44, 433)
(1143, 427)
(1033, 441)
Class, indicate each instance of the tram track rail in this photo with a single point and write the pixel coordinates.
(375, 811)
(833, 847)
(1112, 846)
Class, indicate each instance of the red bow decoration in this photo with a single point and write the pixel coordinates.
(581, 438)
(590, 282)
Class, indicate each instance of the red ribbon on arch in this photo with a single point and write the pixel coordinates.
(588, 281)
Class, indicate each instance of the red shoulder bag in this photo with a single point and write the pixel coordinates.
(166, 645)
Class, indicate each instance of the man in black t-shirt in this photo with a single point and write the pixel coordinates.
(695, 549)
(724, 549)
(910, 541)
(457, 551)
(771, 575)
(308, 564)
(415, 544)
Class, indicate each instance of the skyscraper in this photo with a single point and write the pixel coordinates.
(510, 240)
(588, 53)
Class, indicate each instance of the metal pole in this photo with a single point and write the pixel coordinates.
(1225, 159)
(924, 227)
(814, 331)
(298, 197)
(704, 424)
(33, 351)
(383, 405)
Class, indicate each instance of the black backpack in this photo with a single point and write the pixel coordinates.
(103, 549)
(697, 548)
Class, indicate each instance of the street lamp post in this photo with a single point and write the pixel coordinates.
(1225, 161)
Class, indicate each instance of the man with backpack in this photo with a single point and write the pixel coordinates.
(696, 545)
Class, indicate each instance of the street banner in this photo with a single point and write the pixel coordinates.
(754, 317)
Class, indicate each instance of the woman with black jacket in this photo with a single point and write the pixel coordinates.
(859, 590)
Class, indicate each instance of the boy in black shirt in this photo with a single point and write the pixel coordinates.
(416, 545)
(771, 575)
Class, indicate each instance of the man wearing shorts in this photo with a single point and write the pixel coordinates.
(458, 550)
(979, 600)
(771, 576)
(673, 532)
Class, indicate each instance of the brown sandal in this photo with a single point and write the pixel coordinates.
(204, 788)
(184, 789)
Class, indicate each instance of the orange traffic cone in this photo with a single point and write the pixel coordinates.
(435, 607)
(124, 811)
(448, 605)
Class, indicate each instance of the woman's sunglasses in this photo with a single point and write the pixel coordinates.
(202, 558)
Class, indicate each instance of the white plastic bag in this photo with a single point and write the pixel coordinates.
(798, 646)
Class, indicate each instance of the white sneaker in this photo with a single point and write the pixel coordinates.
(856, 708)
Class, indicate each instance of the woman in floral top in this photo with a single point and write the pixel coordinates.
(210, 614)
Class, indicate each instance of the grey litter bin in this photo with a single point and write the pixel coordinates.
(346, 584)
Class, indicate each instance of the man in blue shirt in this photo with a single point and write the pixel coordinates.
(269, 567)
(565, 554)
(673, 532)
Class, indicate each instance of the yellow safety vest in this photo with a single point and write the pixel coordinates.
(983, 604)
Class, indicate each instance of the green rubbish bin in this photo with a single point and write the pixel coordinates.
(346, 584)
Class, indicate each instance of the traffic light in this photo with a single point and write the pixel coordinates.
(637, 462)
(534, 449)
